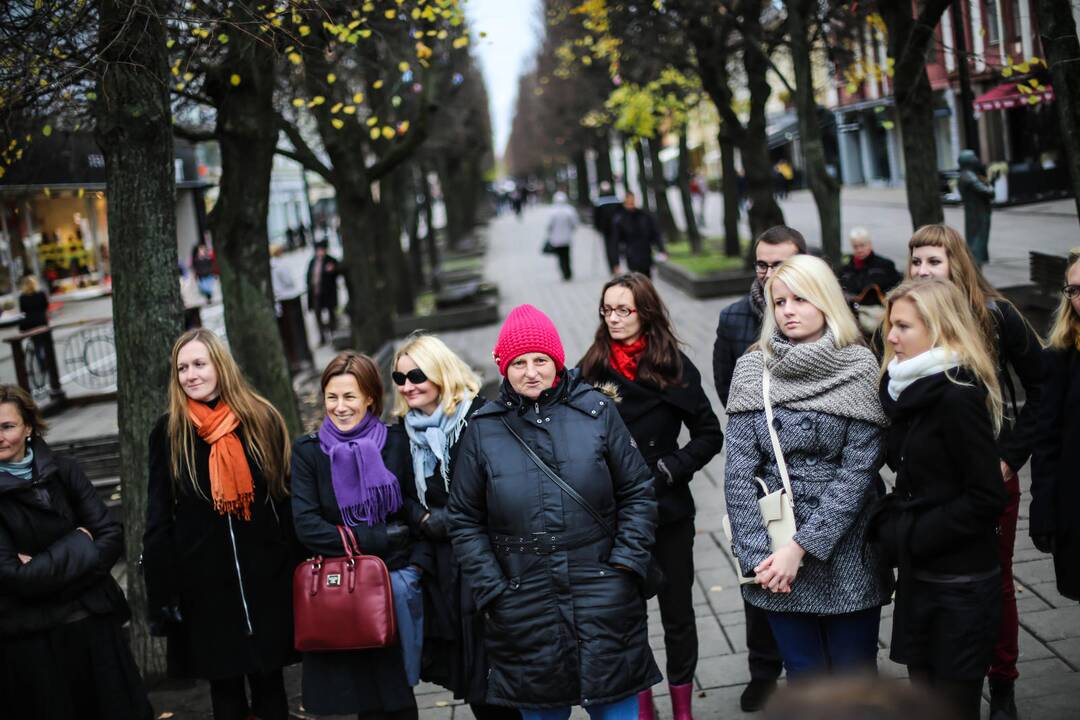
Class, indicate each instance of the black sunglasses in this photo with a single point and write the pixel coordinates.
(415, 376)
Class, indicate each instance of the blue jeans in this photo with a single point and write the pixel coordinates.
(826, 643)
(622, 710)
(409, 613)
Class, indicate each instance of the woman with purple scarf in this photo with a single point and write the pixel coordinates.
(351, 473)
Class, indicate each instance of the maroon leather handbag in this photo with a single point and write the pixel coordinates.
(343, 603)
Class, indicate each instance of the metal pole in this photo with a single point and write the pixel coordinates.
(967, 99)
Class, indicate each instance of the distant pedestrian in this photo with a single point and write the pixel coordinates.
(351, 473)
(1054, 466)
(822, 591)
(560, 232)
(202, 264)
(34, 306)
(658, 393)
(699, 188)
(866, 278)
(940, 391)
(977, 194)
(322, 275)
(606, 208)
(636, 234)
(219, 547)
(63, 651)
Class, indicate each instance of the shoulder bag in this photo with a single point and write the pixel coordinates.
(654, 577)
(343, 603)
(777, 508)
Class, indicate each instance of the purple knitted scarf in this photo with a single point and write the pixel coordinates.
(366, 490)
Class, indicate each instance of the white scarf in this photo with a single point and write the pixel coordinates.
(931, 362)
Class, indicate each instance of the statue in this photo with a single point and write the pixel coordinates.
(976, 193)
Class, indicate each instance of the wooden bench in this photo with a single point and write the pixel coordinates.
(1048, 272)
(99, 458)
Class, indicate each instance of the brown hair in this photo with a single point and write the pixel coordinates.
(1066, 328)
(261, 425)
(780, 234)
(661, 364)
(366, 372)
(28, 409)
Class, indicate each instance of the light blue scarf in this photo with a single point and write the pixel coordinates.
(430, 439)
(22, 470)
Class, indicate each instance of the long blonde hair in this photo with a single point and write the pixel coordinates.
(811, 279)
(261, 425)
(1066, 329)
(951, 325)
(443, 367)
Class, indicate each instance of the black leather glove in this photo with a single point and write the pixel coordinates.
(1044, 542)
(434, 525)
(163, 619)
(397, 537)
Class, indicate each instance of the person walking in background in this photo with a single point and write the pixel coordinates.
(635, 234)
(658, 392)
(63, 653)
(322, 275)
(1054, 465)
(437, 395)
(202, 264)
(739, 328)
(699, 190)
(866, 277)
(940, 391)
(219, 547)
(977, 194)
(560, 232)
(938, 251)
(351, 472)
(34, 306)
(605, 210)
(552, 518)
(811, 371)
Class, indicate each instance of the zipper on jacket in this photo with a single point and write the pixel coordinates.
(240, 578)
(537, 406)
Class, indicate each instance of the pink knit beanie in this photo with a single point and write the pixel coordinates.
(527, 330)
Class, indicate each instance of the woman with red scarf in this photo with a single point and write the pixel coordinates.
(636, 356)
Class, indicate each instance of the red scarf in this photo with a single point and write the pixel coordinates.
(624, 358)
(859, 262)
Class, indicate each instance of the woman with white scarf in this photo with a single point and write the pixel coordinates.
(940, 390)
(437, 394)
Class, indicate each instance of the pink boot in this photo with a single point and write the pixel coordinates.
(680, 701)
(644, 705)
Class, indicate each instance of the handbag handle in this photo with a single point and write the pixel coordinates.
(777, 450)
(348, 539)
(574, 494)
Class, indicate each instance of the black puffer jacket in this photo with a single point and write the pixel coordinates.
(1018, 347)
(655, 418)
(564, 627)
(69, 572)
(875, 270)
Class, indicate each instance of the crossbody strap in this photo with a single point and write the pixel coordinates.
(777, 450)
(571, 492)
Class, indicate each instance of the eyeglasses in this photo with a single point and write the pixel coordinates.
(416, 376)
(620, 312)
(763, 267)
(1071, 291)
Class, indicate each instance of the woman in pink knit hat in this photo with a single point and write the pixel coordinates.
(552, 518)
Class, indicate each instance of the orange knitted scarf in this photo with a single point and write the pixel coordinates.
(232, 489)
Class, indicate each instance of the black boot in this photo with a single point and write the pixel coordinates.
(1002, 700)
(756, 694)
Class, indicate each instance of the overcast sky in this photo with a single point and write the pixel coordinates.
(512, 28)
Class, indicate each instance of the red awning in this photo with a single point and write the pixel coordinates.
(1008, 95)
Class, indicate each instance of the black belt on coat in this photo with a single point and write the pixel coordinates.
(546, 543)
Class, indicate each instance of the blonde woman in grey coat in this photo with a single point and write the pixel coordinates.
(823, 591)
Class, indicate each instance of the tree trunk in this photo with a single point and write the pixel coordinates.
(908, 43)
(692, 232)
(643, 176)
(659, 185)
(603, 159)
(247, 133)
(454, 229)
(1062, 47)
(134, 129)
(764, 210)
(411, 209)
(823, 186)
(625, 166)
(581, 169)
(393, 222)
(430, 239)
(729, 187)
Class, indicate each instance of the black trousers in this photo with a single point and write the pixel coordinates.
(494, 712)
(268, 698)
(563, 253)
(326, 317)
(674, 551)
(763, 654)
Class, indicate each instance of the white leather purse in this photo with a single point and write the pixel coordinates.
(777, 508)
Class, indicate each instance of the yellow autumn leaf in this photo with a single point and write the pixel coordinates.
(349, 110)
(315, 101)
(387, 132)
(331, 78)
(365, 33)
(298, 102)
(888, 124)
(223, 38)
(47, 130)
(234, 79)
(304, 30)
(1033, 99)
(1023, 67)
(294, 58)
(170, 43)
(403, 127)
(403, 66)
(374, 133)
(377, 84)
(460, 42)
(1006, 72)
(367, 7)
(372, 121)
(336, 108)
(358, 98)
(390, 14)
(188, 76)
(338, 123)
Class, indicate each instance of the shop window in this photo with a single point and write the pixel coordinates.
(993, 29)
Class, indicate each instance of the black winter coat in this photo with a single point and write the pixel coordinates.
(69, 574)
(362, 681)
(876, 270)
(232, 579)
(738, 328)
(634, 233)
(327, 294)
(453, 630)
(1055, 467)
(564, 627)
(1018, 347)
(35, 309)
(655, 418)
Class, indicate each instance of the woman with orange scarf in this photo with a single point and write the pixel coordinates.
(219, 548)
(636, 357)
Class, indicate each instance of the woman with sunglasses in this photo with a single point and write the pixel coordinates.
(436, 396)
(1054, 490)
(636, 357)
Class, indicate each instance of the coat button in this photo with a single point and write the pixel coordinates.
(806, 424)
(811, 461)
(777, 425)
(601, 403)
(509, 404)
(547, 419)
(812, 501)
(539, 421)
(593, 412)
